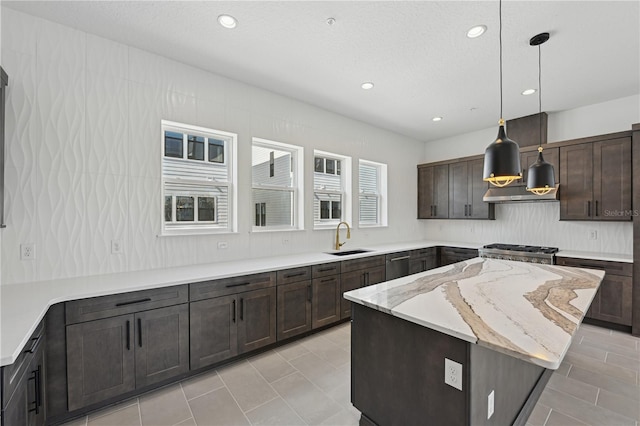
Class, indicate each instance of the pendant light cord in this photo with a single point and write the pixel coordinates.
(500, 37)
(540, 93)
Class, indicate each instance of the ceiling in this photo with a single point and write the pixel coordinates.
(416, 52)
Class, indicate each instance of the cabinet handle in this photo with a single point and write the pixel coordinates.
(431, 210)
(424, 265)
(366, 278)
(128, 335)
(140, 332)
(297, 274)
(233, 318)
(36, 387)
(470, 210)
(237, 285)
(333, 268)
(309, 293)
(399, 258)
(133, 302)
(435, 210)
(466, 210)
(33, 345)
(328, 279)
(596, 209)
(589, 208)
(242, 309)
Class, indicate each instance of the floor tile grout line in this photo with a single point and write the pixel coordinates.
(597, 396)
(283, 399)
(187, 400)
(139, 411)
(547, 418)
(231, 393)
(112, 406)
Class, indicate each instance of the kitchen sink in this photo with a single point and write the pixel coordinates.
(348, 252)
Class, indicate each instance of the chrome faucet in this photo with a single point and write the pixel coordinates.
(338, 243)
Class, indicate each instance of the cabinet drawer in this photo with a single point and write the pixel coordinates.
(124, 303)
(364, 263)
(293, 275)
(318, 271)
(613, 268)
(425, 252)
(12, 373)
(458, 252)
(234, 285)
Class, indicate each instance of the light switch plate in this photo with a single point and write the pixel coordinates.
(453, 373)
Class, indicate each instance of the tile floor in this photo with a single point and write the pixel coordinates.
(307, 383)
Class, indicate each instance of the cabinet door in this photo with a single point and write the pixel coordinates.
(458, 190)
(441, 191)
(162, 344)
(256, 319)
(349, 281)
(422, 264)
(375, 275)
(612, 302)
(425, 193)
(550, 155)
(325, 306)
(100, 360)
(478, 209)
(294, 309)
(17, 410)
(36, 386)
(213, 331)
(576, 176)
(612, 179)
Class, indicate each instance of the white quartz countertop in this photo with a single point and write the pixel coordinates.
(525, 310)
(611, 257)
(23, 305)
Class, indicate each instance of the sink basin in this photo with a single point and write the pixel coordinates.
(348, 252)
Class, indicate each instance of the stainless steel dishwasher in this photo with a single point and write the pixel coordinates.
(397, 265)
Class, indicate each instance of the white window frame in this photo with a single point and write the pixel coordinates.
(380, 194)
(200, 181)
(296, 188)
(344, 194)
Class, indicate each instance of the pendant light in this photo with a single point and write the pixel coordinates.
(502, 157)
(540, 177)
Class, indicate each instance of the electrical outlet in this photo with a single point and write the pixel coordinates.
(593, 234)
(285, 241)
(453, 373)
(27, 251)
(490, 404)
(116, 247)
(223, 245)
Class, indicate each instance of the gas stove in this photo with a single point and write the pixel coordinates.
(531, 254)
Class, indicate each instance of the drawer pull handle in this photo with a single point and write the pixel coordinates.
(309, 294)
(128, 335)
(34, 343)
(234, 310)
(297, 274)
(242, 309)
(133, 302)
(333, 268)
(327, 280)
(395, 259)
(37, 385)
(237, 285)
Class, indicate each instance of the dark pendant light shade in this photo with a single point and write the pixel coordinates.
(502, 160)
(541, 176)
(502, 157)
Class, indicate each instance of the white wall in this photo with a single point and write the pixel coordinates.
(538, 223)
(83, 155)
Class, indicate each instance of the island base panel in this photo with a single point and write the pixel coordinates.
(397, 376)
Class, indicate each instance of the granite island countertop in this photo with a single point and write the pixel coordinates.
(525, 310)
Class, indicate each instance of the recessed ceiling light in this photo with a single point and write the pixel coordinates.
(227, 21)
(529, 92)
(436, 119)
(367, 86)
(476, 31)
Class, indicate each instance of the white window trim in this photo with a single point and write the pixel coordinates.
(346, 194)
(382, 195)
(231, 154)
(297, 188)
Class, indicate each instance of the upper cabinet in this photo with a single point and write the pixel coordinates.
(466, 189)
(433, 192)
(596, 180)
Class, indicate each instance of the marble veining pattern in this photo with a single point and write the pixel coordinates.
(525, 310)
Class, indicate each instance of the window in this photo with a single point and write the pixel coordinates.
(332, 187)
(276, 175)
(197, 179)
(372, 193)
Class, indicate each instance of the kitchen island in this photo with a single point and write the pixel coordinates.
(504, 326)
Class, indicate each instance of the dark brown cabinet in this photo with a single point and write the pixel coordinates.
(466, 189)
(423, 260)
(449, 255)
(359, 273)
(223, 327)
(294, 309)
(112, 356)
(325, 306)
(613, 301)
(596, 180)
(23, 386)
(433, 192)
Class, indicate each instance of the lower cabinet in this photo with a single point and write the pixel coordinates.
(374, 272)
(294, 309)
(226, 326)
(423, 260)
(326, 296)
(449, 255)
(112, 356)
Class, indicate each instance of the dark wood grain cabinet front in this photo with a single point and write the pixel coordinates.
(433, 192)
(596, 180)
(423, 260)
(466, 190)
(325, 306)
(359, 273)
(294, 309)
(449, 255)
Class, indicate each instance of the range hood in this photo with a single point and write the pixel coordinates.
(517, 194)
